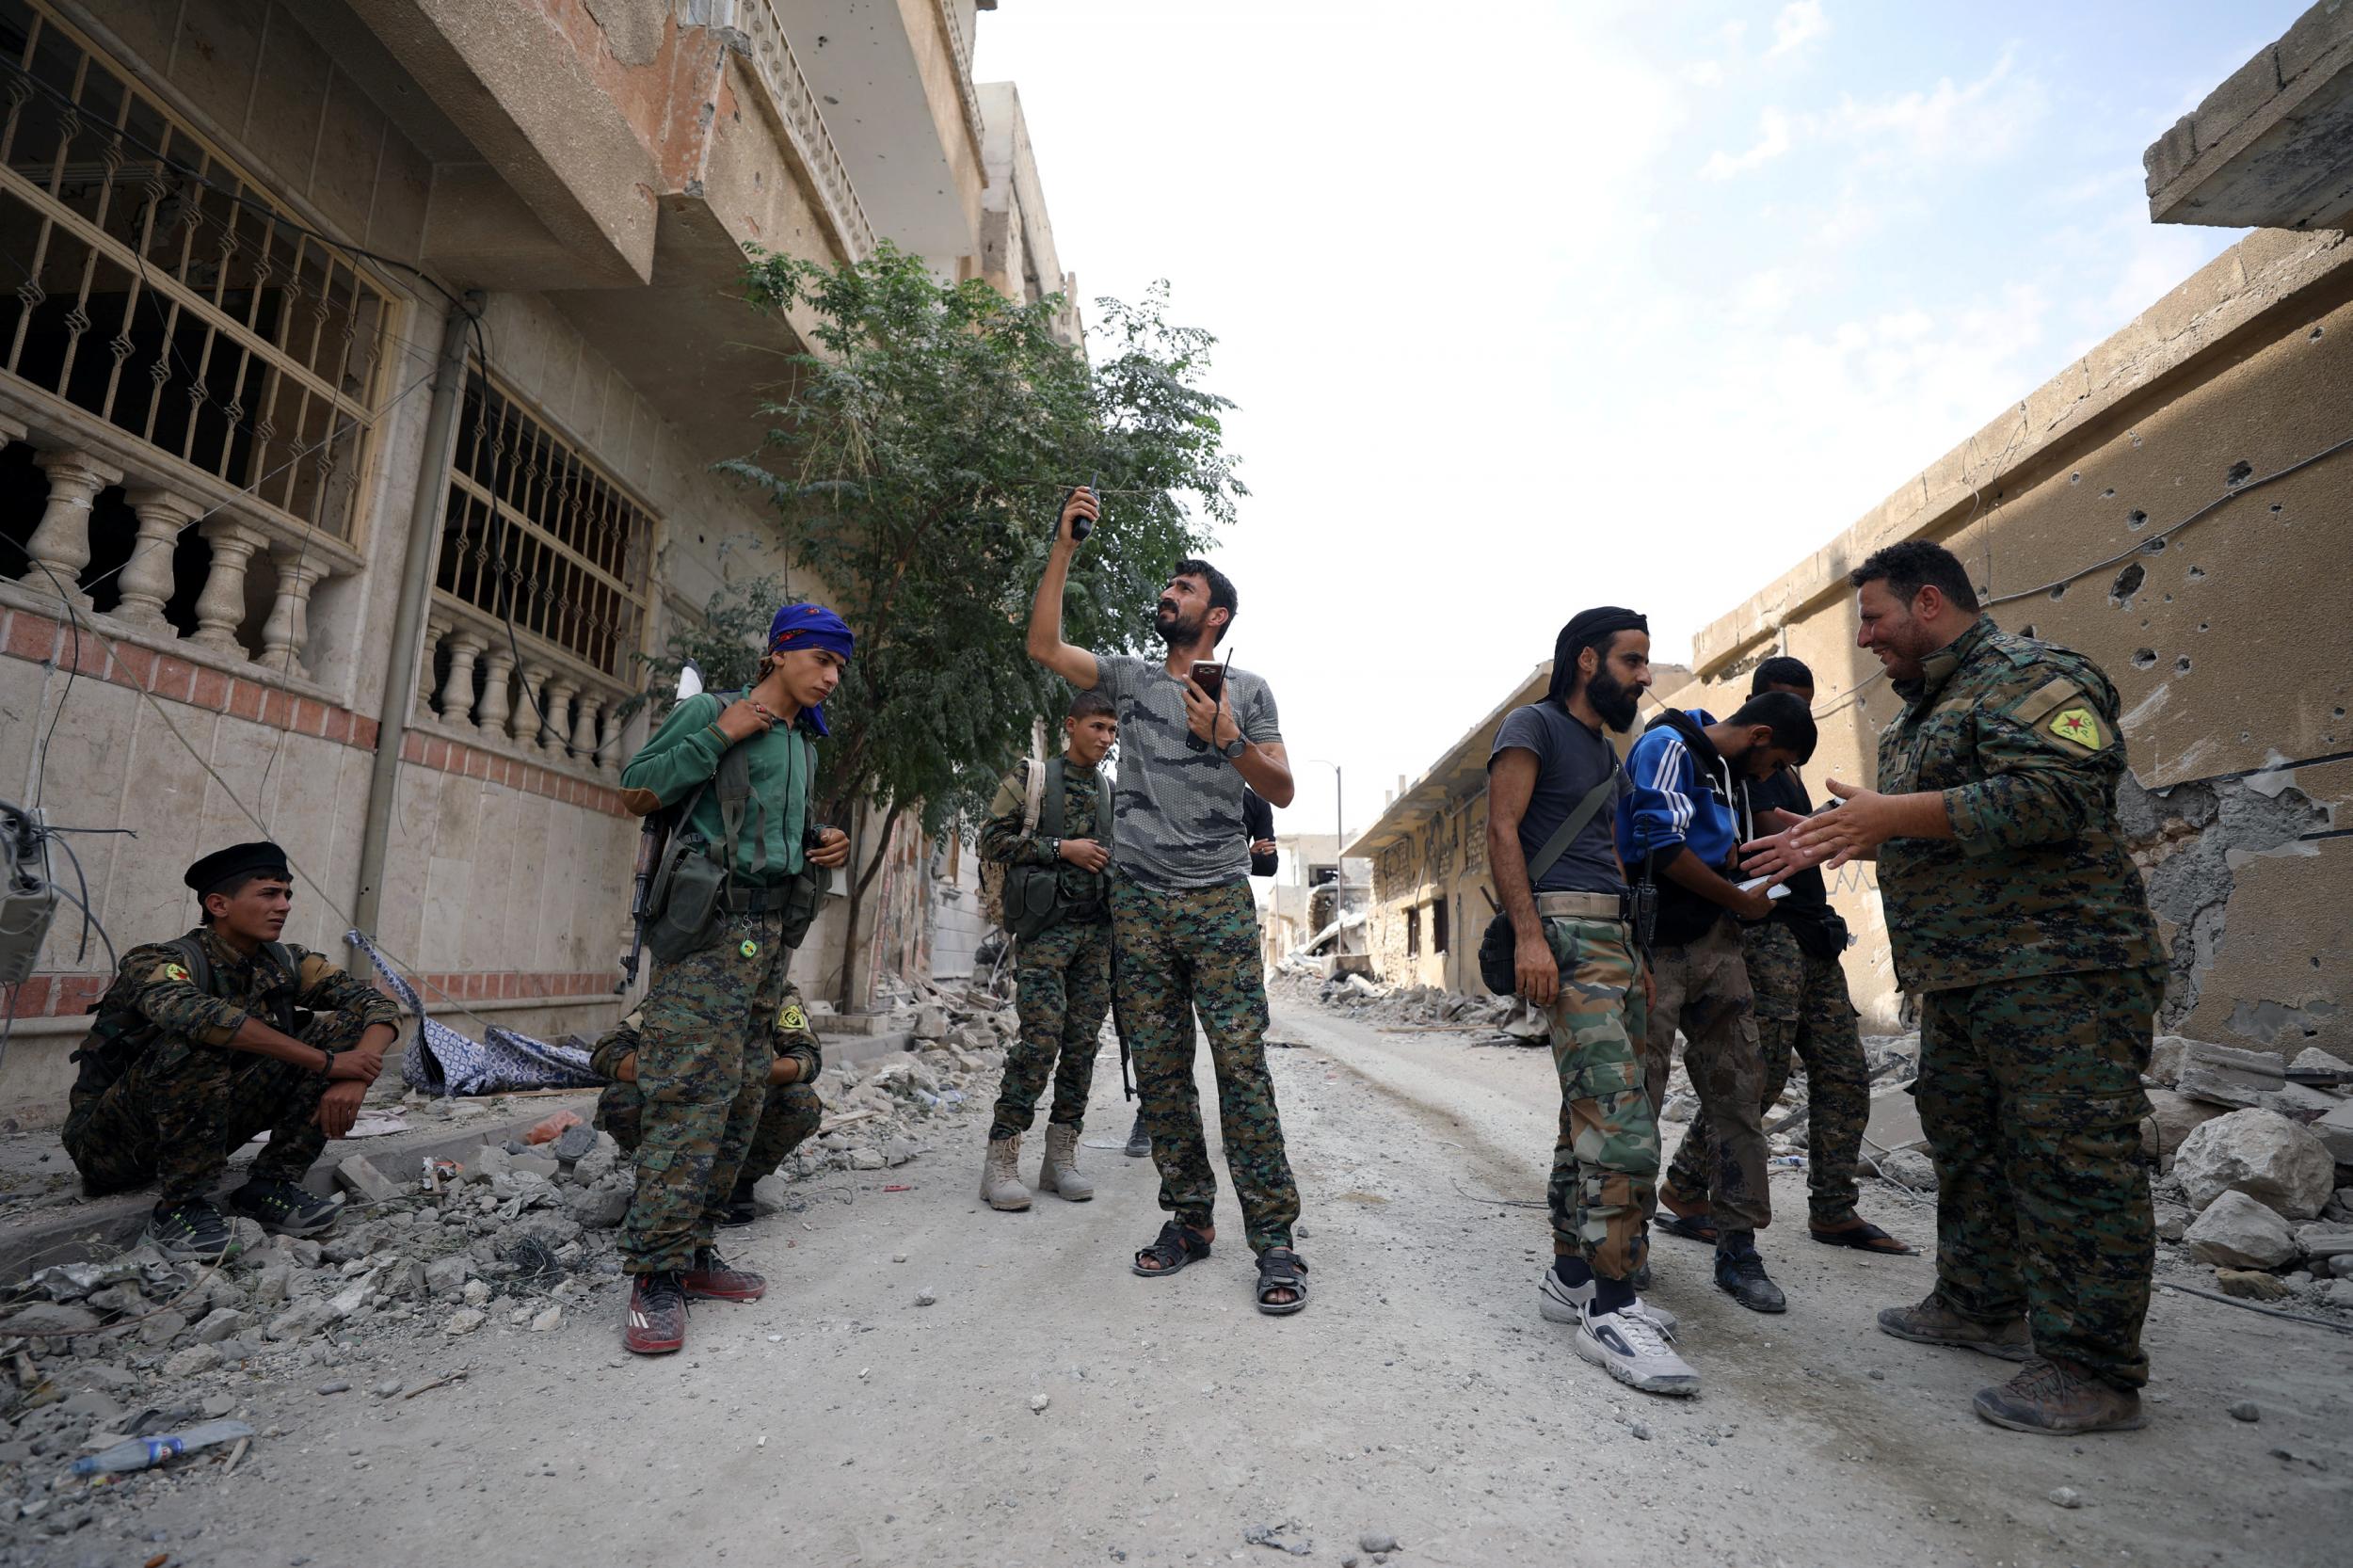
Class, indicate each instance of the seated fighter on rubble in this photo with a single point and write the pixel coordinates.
(788, 1116)
(207, 1039)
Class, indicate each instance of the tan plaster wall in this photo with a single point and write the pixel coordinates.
(2226, 650)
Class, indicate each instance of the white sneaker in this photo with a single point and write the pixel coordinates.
(1631, 1347)
(1566, 1304)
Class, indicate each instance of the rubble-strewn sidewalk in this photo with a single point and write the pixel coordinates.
(512, 1240)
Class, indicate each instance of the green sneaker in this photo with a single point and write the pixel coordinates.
(284, 1209)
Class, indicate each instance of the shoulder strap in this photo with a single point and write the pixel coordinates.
(1050, 821)
(1105, 825)
(282, 1006)
(199, 966)
(1034, 778)
(1565, 835)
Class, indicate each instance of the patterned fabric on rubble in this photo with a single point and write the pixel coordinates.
(440, 1061)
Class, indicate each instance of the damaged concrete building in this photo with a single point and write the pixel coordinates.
(2176, 504)
(255, 447)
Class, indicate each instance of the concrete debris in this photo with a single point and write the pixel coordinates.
(1038, 1403)
(927, 1298)
(360, 1176)
(2237, 1231)
(2246, 1409)
(2252, 1284)
(2173, 1117)
(1377, 1541)
(2067, 1497)
(2335, 1132)
(1908, 1168)
(2261, 1154)
(2324, 1239)
(465, 1321)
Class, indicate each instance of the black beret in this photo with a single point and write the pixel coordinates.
(237, 863)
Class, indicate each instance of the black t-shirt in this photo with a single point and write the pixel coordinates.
(1807, 896)
(1571, 759)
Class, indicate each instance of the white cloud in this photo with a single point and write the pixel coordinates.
(1773, 140)
(1798, 23)
(1705, 74)
(1983, 122)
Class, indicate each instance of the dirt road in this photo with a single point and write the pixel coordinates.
(839, 1422)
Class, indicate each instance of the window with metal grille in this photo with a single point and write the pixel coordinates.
(561, 548)
(183, 309)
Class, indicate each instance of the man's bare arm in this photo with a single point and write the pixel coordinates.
(1074, 664)
(1511, 782)
(1268, 770)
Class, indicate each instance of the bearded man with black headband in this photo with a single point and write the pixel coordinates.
(1552, 779)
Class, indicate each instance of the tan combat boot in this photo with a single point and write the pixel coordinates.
(1932, 1322)
(2060, 1399)
(1000, 1176)
(1059, 1171)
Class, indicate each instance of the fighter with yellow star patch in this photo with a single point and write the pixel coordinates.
(2015, 913)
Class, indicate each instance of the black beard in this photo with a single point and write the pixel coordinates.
(1172, 627)
(1616, 703)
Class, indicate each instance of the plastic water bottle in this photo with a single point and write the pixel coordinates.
(1788, 1162)
(140, 1453)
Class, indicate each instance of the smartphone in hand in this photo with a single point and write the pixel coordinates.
(1209, 676)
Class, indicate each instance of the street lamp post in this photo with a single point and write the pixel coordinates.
(1339, 835)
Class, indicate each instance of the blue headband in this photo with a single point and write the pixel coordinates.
(800, 626)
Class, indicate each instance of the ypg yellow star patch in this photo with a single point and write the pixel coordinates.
(791, 1017)
(2077, 726)
(174, 972)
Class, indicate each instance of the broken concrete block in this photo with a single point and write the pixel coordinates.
(2338, 1295)
(51, 1318)
(1909, 1168)
(2335, 1129)
(599, 1208)
(574, 1142)
(163, 1328)
(360, 1176)
(2252, 1284)
(446, 1276)
(2261, 1154)
(548, 1322)
(2173, 1220)
(2165, 1058)
(2172, 1117)
(769, 1195)
(484, 1162)
(544, 1166)
(219, 1324)
(2325, 1240)
(193, 1361)
(2312, 1059)
(465, 1321)
(271, 1284)
(2235, 1231)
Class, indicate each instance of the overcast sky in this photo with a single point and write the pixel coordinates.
(1530, 307)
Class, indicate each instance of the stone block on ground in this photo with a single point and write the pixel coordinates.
(2165, 1058)
(2173, 1117)
(2312, 1059)
(360, 1176)
(2325, 1240)
(2261, 1154)
(2335, 1131)
(2235, 1231)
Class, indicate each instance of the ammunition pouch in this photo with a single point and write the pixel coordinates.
(1037, 898)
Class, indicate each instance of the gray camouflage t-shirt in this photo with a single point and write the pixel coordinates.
(1178, 810)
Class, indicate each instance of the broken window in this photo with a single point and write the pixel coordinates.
(1412, 932)
(1437, 925)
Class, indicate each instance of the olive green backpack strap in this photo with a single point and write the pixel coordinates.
(1049, 818)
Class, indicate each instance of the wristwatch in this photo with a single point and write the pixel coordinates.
(1233, 749)
(1053, 849)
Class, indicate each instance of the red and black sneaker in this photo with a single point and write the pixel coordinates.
(712, 1276)
(657, 1315)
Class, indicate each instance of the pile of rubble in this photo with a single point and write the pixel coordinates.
(509, 1238)
(1408, 1006)
(2256, 1171)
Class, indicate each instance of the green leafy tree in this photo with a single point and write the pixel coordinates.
(918, 460)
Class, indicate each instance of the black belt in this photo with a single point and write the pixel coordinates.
(739, 899)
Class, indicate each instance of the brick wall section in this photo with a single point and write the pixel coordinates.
(51, 995)
(41, 640)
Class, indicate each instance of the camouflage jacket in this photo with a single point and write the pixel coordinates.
(154, 980)
(2021, 739)
(1003, 841)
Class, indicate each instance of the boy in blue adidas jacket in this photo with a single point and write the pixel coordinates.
(1679, 825)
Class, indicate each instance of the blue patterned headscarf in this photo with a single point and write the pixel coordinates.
(800, 626)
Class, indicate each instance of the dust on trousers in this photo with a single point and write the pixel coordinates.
(1604, 1163)
(183, 1109)
(1062, 993)
(1189, 952)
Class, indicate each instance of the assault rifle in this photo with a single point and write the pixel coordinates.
(651, 839)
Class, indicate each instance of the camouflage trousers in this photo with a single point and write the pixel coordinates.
(1064, 979)
(702, 1078)
(1802, 1011)
(183, 1109)
(2030, 1093)
(1604, 1163)
(789, 1112)
(1703, 989)
(1197, 953)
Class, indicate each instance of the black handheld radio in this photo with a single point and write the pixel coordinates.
(1082, 527)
